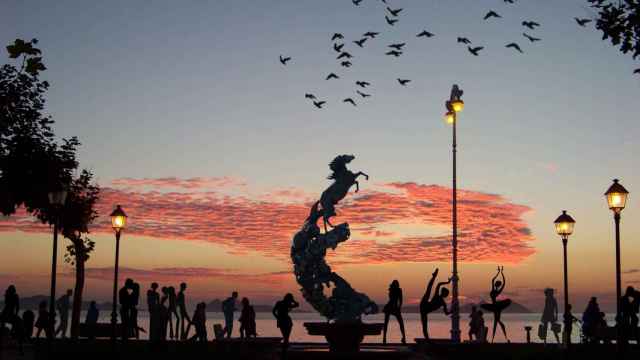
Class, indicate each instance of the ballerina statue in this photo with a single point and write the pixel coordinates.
(497, 306)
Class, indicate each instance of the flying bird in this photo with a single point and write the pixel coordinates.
(332, 76)
(338, 47)
(309, 96)
(344, 54)
(514, 46)
(360, 42)
(362, 84)
(464, 40)
(371, 34)
(530, 24)
(475, 50)
(582, 22)
(346, 63)
(397, 46)
(390, 21)
(356, 2)
(284, 61)
(531, 38)
(394, 53)
(491, 14)
(425, 33)
(350, 100)
(362, 94)
(395, 12)
(337, 36)
(319, 104)
(404, 82)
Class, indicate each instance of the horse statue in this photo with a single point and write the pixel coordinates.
(343, 180)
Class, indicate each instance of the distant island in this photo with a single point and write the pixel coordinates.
(31, 303)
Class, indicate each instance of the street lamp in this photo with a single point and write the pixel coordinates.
(453, 106)
(564, 227)
(57, 200)
(616, 200)
(118, 221)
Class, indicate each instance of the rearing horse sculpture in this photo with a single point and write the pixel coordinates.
(343, 180)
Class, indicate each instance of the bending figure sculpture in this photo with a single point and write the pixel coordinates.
(309, 248)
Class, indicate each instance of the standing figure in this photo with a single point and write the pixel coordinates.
(228, 307)
(473, 323)
(125, 300)
(199, 321)
(182, 308)
(591, 321)
(497, 306)
(163, 315)
(91, 320)
(635, 307)
(394, 307)
(247, 320)
(549, 316)
(133, 310)
(44, 320)
(281, 313)
(569, 319)
(430, 305)
(9, 314)
(28, 321)
(153, 306)
(173, 312)
(63, 304)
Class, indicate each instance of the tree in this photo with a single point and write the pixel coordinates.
(33, 163)
(619, 21)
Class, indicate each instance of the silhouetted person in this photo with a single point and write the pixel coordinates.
(591, 320)
(199, 321)
(91, 321)
(44, 320)
(133, 310)
(28, 322)
(228, 307)
(477, 329)
(569, 319)
(126, 303)
(163, 314)
(281, 312)
(153, 306)
(63, 305)
(549, 315)
(497, 306)
(182, 308)
(173, 312)
(428, 305)
(635, 308)
(247, 320)
(393, 307)
(9, 314)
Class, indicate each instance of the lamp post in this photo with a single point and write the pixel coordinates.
(616, 199)
(564, 227)
(118, 221)
(57, 200)
(454, 105)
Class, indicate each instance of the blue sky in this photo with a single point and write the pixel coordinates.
(168, 89)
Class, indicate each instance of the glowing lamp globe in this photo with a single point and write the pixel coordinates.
(564, 225)
(118, 219)
(457, 105)
(616, 196)
(449, 117)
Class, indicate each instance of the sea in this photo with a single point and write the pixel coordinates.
(439, 326)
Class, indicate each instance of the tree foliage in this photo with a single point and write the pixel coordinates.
(619, 22)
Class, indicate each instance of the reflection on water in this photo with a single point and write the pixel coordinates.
(439, 326)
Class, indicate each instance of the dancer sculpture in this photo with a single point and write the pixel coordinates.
(310, 246)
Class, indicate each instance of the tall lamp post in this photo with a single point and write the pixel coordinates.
(617, 199)
(564, 227)
(118, 221)
(454, 105)
(57, 200)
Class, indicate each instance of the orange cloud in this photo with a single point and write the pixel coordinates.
(490, 227)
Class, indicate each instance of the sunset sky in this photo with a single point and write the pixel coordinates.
(190, 122)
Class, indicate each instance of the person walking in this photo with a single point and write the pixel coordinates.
(549, 316)
(228, 307)
(63, 305)
(394, 307)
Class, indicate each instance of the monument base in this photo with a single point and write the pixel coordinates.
(344, 336)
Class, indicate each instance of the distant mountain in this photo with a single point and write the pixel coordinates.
(514, 308)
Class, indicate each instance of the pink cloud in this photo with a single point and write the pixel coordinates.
(490, 227)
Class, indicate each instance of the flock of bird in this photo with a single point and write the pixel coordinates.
(392, 16)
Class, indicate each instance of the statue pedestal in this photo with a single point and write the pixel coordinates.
(343, 336)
